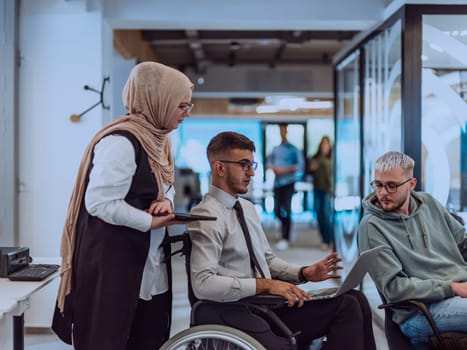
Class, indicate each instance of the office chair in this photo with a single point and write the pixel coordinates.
(399, 341)
(252, 315)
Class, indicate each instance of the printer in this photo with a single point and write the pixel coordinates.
(13, 259)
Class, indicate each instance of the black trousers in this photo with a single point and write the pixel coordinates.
(346, 321)
(283, 207)
(151, 325)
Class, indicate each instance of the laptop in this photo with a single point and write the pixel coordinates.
(353, 278)
(33, 272)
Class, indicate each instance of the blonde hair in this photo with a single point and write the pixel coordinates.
(394, 160)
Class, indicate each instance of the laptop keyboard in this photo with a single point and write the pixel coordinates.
(324, 291)
(34, 272)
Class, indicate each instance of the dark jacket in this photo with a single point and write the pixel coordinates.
(322, 176)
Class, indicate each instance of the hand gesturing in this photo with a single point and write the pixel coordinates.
(323, 269)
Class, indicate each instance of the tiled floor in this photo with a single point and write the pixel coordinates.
(304, 250)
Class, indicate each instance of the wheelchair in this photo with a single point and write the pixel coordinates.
(227, 327)
(212, 337)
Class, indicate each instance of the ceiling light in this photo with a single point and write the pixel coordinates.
(234, 46)
(267, 109)
(291, 103)
(316, 105)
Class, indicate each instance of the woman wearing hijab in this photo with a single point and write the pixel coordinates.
(115, 285)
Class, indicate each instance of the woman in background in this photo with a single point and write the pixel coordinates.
(320, 167)
(115, 288)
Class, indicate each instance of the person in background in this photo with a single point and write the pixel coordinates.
(225, 267)
(287, 162)
(425, 250)
(115, 288)
(320, 166)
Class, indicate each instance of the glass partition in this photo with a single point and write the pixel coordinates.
(444, 109)
(382, 99)
(347, 160)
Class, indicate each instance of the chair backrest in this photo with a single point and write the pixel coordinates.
(458, 218)
(396, 339)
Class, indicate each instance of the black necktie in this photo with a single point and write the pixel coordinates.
(241, 218)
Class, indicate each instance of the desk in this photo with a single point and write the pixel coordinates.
(8, 308)
(14, 300)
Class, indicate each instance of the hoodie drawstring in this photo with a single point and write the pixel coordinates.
(424, 235)
(409, 235)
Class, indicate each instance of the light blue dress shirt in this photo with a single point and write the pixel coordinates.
(285, 155)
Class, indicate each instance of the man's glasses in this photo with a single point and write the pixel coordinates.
(186, 107)
(245, 164)
(390, 187)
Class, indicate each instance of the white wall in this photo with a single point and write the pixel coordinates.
(8, 117)
(120, 70)
(60, 46)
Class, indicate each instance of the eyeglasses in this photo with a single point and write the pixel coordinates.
(187, 107)
(245, 164)
(390, 187)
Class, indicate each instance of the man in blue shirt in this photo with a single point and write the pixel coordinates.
(286, 161)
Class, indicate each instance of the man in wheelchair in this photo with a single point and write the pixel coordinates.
(232, 260)
(425, 250)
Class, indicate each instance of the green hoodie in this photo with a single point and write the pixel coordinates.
(424, 251)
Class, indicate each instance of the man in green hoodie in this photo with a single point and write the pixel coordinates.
(425, 249)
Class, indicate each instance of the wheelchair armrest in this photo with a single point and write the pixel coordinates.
(420, 305)
(265, 299)
(263, 303)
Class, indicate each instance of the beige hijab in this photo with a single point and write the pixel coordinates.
(151, 95)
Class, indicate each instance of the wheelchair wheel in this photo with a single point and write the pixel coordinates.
(212, 337)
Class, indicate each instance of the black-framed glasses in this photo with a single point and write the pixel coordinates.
(186, 107)
(390, 187)
(245, 164)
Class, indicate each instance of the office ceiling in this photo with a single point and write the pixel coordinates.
(198, 49)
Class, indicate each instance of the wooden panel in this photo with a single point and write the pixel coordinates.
(130, 44)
